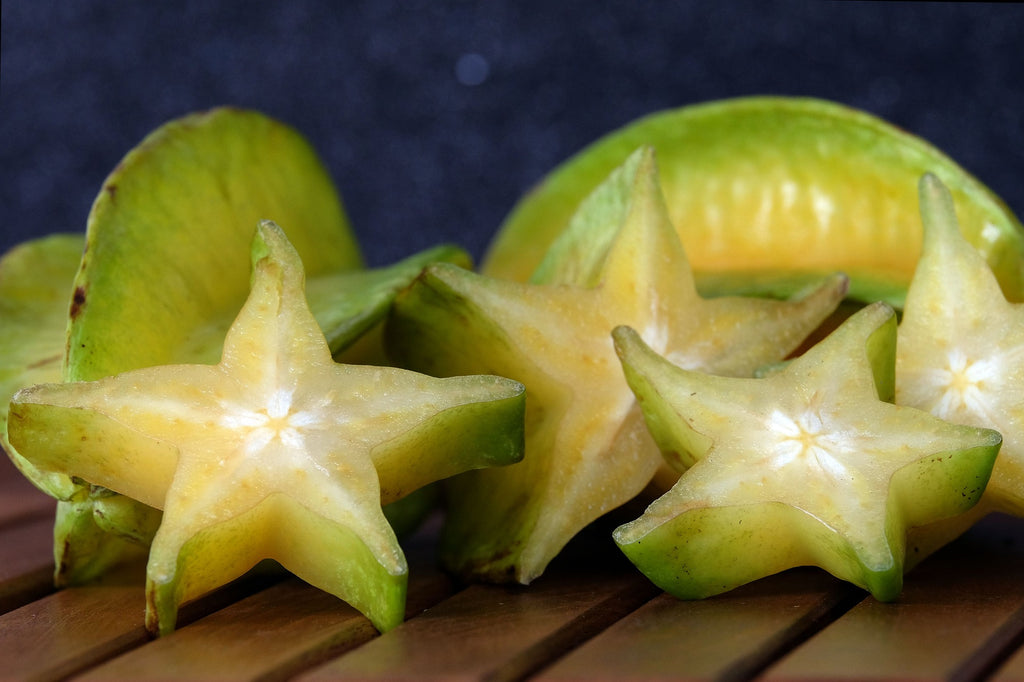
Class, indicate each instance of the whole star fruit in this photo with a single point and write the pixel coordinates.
(276, 452)
(587, 448)
(166, 269)
(769, 193)
(960, 356)
(809, 465)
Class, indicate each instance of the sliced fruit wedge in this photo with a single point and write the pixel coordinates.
(275, 452)
(768, 193)
(961, 354)
(166, 270)
(587, 448)
(807, 466)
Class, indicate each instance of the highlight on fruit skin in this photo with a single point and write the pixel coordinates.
(767, 192)
(275, 452)
(810, 465)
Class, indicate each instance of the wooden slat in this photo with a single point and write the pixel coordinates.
(26, 563)
(268, 636)
(19, 499)
(71, 629)
(79, 627)
(494, 632)
(1013, 669)
(951, 607)
(731, 636)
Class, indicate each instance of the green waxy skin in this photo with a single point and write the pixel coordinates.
(275, 452)
(35, 282)
(587, 449)
(768, 193)
(807, 466)
(961, 354)
(169, 234)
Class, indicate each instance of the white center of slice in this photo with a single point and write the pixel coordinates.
(804, 441)
(961, 384)
(276, 421)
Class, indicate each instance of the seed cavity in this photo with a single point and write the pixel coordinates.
(805, 441)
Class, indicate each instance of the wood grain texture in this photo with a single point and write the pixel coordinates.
(71, 630)
(19, 499)
(592, 616)
(268, 636)
(952, 606)
(1013, 669)
(731, 636)
(485, 632)
(26, 562)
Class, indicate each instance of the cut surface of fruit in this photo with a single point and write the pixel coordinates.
(587, 449)
(807, 466)
(961, 345)
(275, 452)
(767, 192)
(166, 269)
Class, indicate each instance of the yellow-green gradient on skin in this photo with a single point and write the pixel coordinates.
(768, 193)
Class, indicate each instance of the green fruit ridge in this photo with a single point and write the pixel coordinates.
(277, 451)
(809, 465)
(587, 449)
(768, 193)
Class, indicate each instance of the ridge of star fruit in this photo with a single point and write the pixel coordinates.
(810, 465)
(960, 354)
(587, 448)
(275, 452)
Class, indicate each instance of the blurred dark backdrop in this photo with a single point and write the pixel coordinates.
(434, 117)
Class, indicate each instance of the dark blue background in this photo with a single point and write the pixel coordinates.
(421, 157)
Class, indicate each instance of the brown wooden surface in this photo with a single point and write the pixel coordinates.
(590, 617)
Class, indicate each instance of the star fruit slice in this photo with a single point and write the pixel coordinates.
(587, 448)
(961, 354)
(807, 466)
(276, 452)
(769, 193)
(166, 270)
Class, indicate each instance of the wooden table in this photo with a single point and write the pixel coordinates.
(590, 617)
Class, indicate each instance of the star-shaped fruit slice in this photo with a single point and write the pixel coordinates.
(961, 348)
(276, 452)
(587, 448)
(165, 270)
(807, 466)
